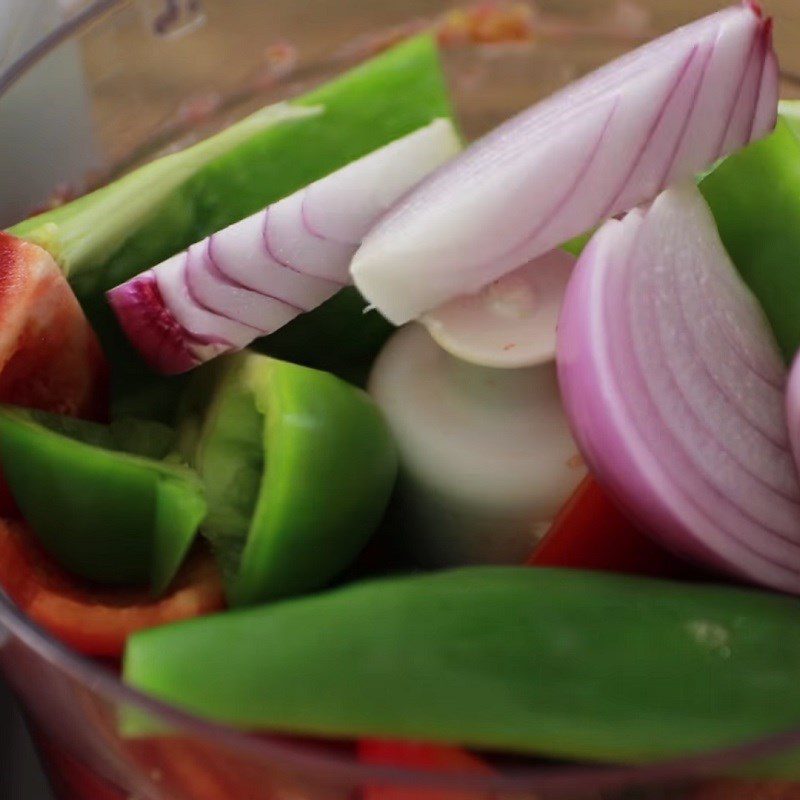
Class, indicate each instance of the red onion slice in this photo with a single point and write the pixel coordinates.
(256, 275)
(510, 323)
(793, 409)
(663, 396)
(599, 147)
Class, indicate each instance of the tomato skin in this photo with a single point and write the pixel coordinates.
(590, 532)
(50, 358)
(97, 621)
(436, 758)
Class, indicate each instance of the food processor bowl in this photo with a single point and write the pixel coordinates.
(94, 89)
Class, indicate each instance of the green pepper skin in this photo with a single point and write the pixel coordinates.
(298, 468)
(755, 197)
(139, 220)
(324, 339)
(561, 663)
(241, 170)
(114, 517)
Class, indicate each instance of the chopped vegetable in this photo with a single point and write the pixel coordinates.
(486, 455)
(598, 147)
(412, 755)
(590, 532)
(97, 621)
(793, 410)
(509, 323)
(85, 234)
(298, 468)
(352, 337)
(252, 278)
(674, 386)
(134, 223)
(557, 662)
(249, 167)
(97, 498)
(49, 356)
(753, 195)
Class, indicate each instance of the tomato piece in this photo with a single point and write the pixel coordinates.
(98, 621)
(590, 532)
(50, 358)
(436, 758)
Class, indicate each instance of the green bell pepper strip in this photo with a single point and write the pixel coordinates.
(298, 468)
(755, 197)
(134, 223)
(116, 232)
(562, 663)
(97, 497)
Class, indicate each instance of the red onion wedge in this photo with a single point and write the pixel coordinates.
(793, 409)
(599, 147)
(674, 387)
(253, 277)
(511, 322)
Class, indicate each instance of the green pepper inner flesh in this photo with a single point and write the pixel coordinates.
(298, 468)
(98, 499)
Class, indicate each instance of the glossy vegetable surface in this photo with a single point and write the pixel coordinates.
(557, 662)
(255, 276)
(590, 532)
(674, 387)
(298, 467)
(753, 195)
(487, 457)
(100, 241)
(99, 499)
(49, 355)
(510, 323)
(92, 620)
(600, 146)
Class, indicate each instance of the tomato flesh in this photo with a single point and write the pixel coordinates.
(97, 621)
(49, 356)
(590, 532)
(435, 758)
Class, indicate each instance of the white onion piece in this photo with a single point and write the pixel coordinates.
(674, 387)
(253, 277)
(487, 458)
(598, 147)
(510, 323)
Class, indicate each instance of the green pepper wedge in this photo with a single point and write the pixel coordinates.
(106, 237)
(755, 198)
(98, 498)
(121, 229)
(298, 468)
(563, 663)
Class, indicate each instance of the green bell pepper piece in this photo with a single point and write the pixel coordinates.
(298, 468)
(755, 197)
(560, 663)
(326, 338)
(117, 231)
(98, 498)
(139, 220)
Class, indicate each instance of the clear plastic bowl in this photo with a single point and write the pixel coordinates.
(122, 81)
